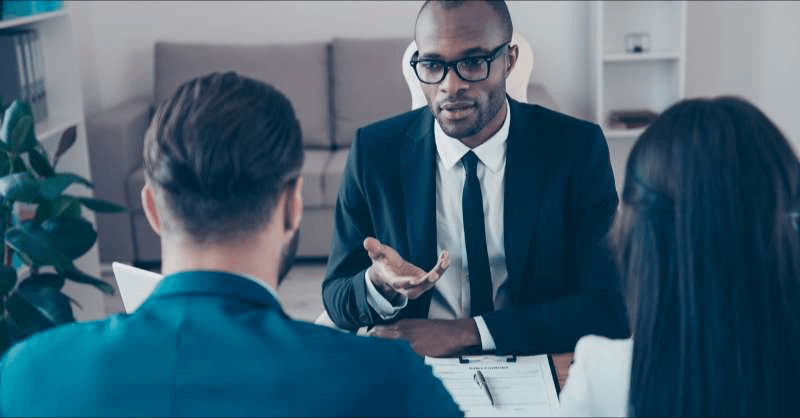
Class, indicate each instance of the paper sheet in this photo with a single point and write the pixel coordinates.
(524, 387)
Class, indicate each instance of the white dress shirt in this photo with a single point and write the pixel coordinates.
(451, 297)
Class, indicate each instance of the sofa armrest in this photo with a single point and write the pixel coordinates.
(537, 94)
(116, 137)
(116, 140)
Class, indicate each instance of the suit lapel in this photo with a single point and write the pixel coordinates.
(526, 168)
(418, 178)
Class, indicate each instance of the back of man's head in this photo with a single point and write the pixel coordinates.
(219, 153)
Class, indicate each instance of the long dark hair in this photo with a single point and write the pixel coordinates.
(707, 246)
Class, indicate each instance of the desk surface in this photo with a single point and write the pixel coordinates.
(562, 363)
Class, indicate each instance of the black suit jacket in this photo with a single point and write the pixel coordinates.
(559, 203)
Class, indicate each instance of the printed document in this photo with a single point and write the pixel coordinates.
(519, 385)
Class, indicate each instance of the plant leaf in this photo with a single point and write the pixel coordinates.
(19, 165)
(11, 117)
(78, 276)
(67, 140)
(100, 206)
(5, 165)
(52, 187)
(23, 138)
(40, 163)
(78, 179)
(35, 310)
(8, 278)
(34, 246)
(35, 281)
(6, 335)
(19, 187)
(70, 236)
(61, 206)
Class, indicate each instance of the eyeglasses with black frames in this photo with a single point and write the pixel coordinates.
(471, 69)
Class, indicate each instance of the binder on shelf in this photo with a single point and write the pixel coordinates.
(39, 94)
(12, 82)
(22, 70)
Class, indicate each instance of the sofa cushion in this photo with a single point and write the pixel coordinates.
(133, 189)
(368, 83)
(313, 182)
(300, 71)
(333, 176)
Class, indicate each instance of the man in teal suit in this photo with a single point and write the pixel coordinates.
(223, 190)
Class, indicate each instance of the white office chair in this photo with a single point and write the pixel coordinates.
(516, 83)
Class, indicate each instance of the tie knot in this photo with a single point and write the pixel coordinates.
(470, 161)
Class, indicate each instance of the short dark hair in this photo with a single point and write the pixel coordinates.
(221, 150)
(499, 6)
(709, 252)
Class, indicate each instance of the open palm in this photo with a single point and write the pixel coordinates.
(393, 275)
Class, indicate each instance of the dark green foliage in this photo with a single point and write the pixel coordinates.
(51, 241)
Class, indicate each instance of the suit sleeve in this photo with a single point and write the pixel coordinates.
(344, 291)
(594, 304)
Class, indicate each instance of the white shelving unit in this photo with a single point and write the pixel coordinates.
(65, 108)
(620, 80)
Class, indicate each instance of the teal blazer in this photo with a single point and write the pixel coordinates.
(214, 344)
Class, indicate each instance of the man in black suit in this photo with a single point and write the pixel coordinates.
(516, 199)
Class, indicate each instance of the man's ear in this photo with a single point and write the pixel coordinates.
(149, 206)
(293, 207)
(511, 58)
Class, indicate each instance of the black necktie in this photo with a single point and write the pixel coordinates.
(480, 278)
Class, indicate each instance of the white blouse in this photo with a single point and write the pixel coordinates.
(599, 378)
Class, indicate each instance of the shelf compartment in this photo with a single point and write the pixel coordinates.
(652, 85)
(662, 20)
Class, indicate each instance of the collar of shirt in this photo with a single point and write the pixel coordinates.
(269, 288)
(491, 153)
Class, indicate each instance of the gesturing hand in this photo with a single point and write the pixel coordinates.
(433, 337)
(393, 276)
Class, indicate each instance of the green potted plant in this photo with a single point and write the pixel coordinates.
(39, 252)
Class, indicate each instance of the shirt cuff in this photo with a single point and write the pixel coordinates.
(487, 342)
(382, 306)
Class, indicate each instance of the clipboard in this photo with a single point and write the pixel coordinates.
(519, 385)
(513, 358)
(555, 374)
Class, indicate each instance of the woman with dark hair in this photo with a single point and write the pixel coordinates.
(707, 245)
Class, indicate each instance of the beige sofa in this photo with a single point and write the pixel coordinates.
(334, 86)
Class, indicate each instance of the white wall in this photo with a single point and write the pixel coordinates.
(116, 37)
(750, 49)
(778, 64)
